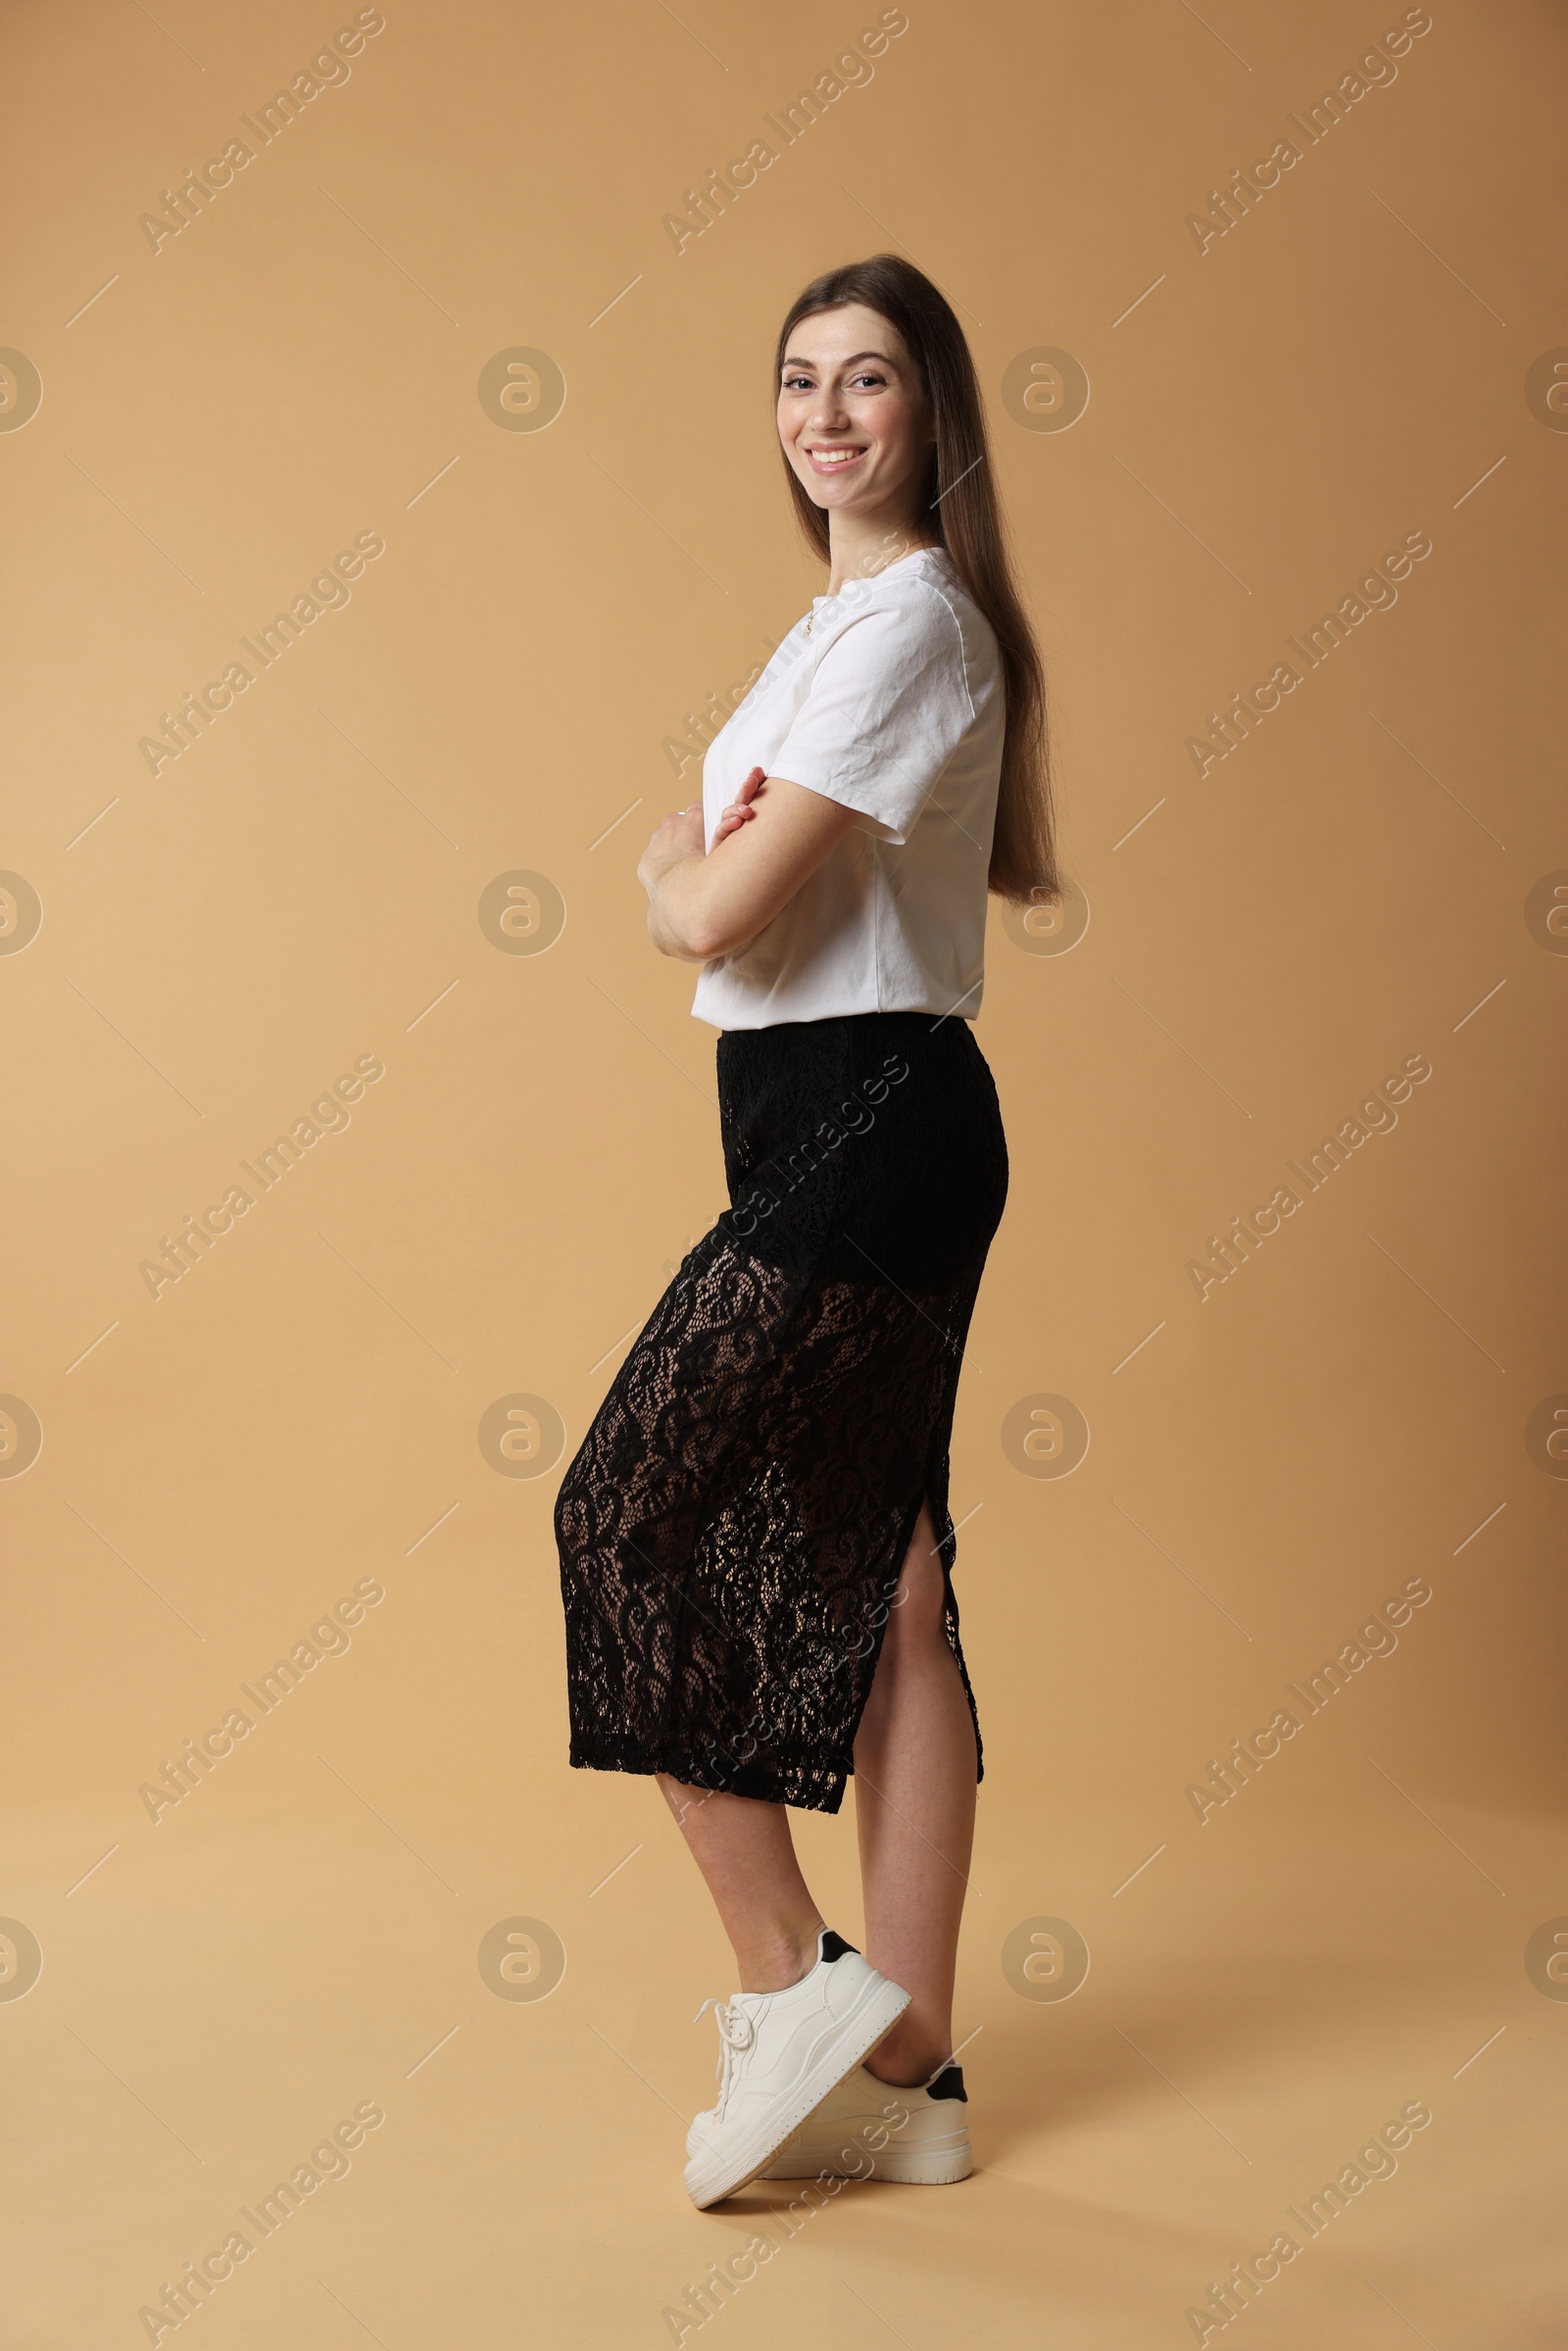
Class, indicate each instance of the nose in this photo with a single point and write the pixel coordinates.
(828, 411)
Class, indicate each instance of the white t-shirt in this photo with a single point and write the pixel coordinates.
(888, 698)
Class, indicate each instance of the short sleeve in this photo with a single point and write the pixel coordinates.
(887, 709)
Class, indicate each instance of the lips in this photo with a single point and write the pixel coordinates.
(836, 457)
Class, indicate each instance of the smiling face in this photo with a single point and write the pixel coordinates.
(855, 423)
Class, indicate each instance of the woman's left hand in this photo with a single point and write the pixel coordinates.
(741, 808)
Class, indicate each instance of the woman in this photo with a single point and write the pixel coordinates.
(755, 1538)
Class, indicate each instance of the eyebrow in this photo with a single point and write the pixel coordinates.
(850, 362)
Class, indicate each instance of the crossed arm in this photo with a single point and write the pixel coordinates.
(771, 838)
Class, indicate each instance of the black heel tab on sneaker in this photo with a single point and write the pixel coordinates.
(948, 2084)
(833, 1947)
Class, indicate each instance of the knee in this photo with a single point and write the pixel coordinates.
(917, 1615)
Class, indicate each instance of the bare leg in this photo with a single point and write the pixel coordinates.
(747, 1857)
(914, 1800)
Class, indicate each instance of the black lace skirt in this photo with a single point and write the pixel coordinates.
(732, 1528)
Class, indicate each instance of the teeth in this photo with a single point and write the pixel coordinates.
(834, 457)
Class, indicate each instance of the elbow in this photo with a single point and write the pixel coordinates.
(679, 942)
(704, 933)
(697, 922)
(703, 941)
(709, 935)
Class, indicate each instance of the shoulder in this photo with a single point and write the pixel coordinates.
(917, 608)
(915, 622)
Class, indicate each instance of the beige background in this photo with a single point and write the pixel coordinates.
(302, 1411)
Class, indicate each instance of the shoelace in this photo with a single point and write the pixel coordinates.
(735, 2032)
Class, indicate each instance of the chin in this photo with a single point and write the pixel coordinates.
(822, 494)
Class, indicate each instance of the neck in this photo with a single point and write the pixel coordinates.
(859, 546)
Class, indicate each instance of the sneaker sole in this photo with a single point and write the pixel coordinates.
(874, 2015)
(912, 2166)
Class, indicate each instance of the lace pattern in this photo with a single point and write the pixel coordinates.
(733, 1525)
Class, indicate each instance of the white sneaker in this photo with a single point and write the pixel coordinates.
(871, 2129)
(782, 2053)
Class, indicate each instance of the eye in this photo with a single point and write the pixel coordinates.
(868, 375)
(796, 383)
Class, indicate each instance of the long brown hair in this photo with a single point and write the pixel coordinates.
(959, 501)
